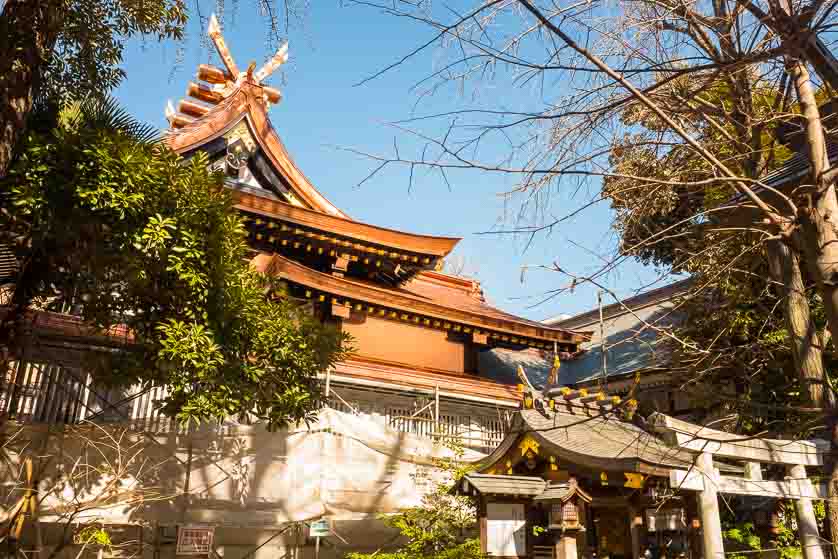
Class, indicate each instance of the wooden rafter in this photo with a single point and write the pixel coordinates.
(277, 60)
(214, 32)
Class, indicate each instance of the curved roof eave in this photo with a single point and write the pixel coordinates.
(284, 268)
(521, 427)
(339, 225)
(245, 103)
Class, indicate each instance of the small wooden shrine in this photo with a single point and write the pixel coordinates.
(578, 476)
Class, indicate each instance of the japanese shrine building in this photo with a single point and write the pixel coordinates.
(575, 477)
(423, 371)
(416, 331)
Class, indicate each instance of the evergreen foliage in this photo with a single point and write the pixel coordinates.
(122, 231)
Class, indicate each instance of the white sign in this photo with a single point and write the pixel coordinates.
(506, 534)
(665, 520)
(319, 528)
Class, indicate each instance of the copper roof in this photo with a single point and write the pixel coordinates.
(247, 104)
(523, 486)
(429, 294)
(424, 244)
(417, 378)
(47, 323)
(466, 295)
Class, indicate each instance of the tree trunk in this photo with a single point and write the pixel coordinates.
(29, 30)
(806, 343)
(818, 218)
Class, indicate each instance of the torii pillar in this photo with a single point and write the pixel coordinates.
(807, 524)
(708, 507)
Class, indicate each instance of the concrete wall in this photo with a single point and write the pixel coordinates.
(289, 541)
(244, 480)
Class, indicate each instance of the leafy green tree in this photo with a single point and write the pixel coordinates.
(783, 541)
(71, 48)
(122, 231)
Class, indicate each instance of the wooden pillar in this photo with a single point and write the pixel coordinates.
(694, 527)
(636, 528)
(708, 506)
(483, 525)
(807, 524)
(565, 544)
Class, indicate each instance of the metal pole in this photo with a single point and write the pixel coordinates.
(604, 375)
(436, 406)
(328, 381)
(317, 547)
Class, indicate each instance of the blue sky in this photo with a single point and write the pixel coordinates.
(323, 111)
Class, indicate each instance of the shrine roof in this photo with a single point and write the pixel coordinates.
(362, 370)
(600, 442)
(556, 492)
(231, 109)
(246, 103)
(465, 294)
(344, 227)
(48, 323)
(428, 296)
(522, 486)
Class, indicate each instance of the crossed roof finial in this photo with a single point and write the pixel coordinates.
(277, 60)
(219, 84)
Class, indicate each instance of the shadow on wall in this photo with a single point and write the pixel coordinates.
(341, 466)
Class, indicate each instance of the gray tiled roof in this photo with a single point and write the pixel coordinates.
(612, 443)
(554, 492)
(525, 486)
(501, 365)
(631, 339)
(632, 343)
(797, 166)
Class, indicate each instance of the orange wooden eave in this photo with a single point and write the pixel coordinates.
(246, 103)
(413, 377)
(336, 225)
(401, 300)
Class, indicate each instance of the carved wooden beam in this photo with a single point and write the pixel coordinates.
(204, 93)
(214, 32)
(192, 109)
(277, 60)
(700, 439)
(211, 74)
